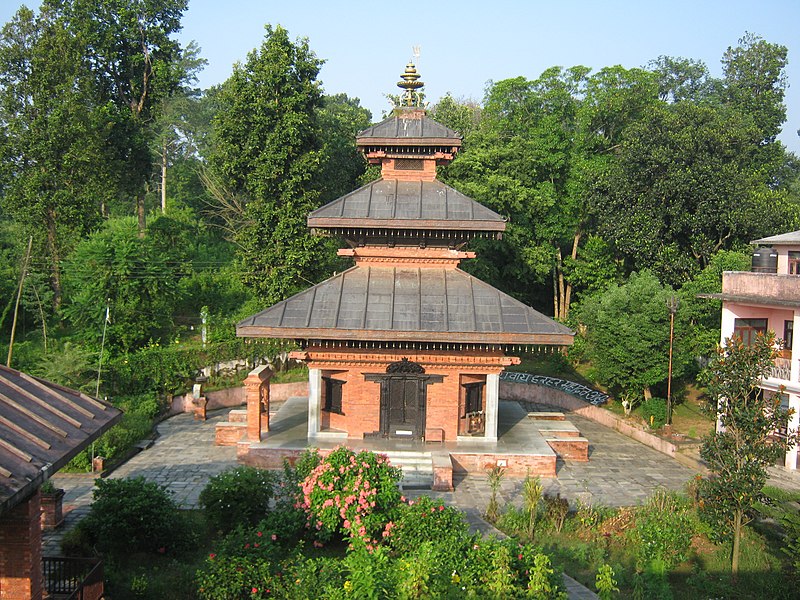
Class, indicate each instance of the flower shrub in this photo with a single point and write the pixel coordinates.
(351, 494)
(235, 578)
(237, 496)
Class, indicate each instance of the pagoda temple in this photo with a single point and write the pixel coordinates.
(404, 344)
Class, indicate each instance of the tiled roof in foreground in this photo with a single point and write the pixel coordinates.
(42, 427)
(367, 303)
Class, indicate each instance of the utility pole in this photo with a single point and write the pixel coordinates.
(19, 297)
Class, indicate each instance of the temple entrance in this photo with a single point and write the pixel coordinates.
(403, 399)
(403, 407)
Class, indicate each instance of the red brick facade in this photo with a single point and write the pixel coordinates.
(360, 411)
(21, 551)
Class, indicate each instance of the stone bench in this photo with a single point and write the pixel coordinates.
(229, 434)
(546, 416)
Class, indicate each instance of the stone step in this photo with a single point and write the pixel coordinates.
(417, 467)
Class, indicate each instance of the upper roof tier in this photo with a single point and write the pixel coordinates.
(408, 127)
(390, 204)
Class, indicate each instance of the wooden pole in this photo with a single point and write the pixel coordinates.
(19, 297)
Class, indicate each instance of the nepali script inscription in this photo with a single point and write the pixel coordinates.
(570, 387)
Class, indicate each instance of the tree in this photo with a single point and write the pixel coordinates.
(138, 277)
(52, 138)
(340, 119)
(136, 65)
(755, 83)
(627, 330)
(744, 444)
(265, 152)
(683, 187)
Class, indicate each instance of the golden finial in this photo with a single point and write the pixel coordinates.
(411, 84)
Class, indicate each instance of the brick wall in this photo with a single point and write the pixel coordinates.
(21, 551)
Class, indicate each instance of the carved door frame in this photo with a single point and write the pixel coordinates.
(405, 371)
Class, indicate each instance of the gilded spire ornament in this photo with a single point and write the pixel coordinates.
(411, 86)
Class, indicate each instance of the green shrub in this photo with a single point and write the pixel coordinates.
(426, 520)
(654, 412)
(134, 515)
(791, 523)
(664, 530)
(238, 496)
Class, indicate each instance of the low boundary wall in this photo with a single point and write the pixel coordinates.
(538, 394)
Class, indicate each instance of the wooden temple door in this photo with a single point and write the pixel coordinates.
(403, 399)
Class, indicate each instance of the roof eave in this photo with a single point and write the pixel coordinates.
(347, 335)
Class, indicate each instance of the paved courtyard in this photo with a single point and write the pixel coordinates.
(620, 472)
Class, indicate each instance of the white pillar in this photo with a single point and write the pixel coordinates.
(790, 461)
(314, 401)
(492, 401)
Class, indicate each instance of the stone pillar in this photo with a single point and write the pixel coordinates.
(314, 401)
(256, 389)
(790, 460)
(21, 551)
(492, 402)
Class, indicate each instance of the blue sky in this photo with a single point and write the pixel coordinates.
(466, 43)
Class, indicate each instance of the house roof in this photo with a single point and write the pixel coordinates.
(396, 304)
(792, 237)
(42, 427)
(409, 127)
(393, 204)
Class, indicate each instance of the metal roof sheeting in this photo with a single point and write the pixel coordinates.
(404, 127)
(406, 304)
(393, 204)
(42, 427)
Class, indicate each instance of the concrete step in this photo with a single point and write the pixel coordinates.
(417, 467)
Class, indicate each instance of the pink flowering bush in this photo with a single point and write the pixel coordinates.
(352, 495)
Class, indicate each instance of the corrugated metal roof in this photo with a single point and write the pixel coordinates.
(405, 127)
(42, 427)
(393, 204)
(405, 304)
(783, 238)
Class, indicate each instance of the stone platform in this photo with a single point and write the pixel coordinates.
(525, 444)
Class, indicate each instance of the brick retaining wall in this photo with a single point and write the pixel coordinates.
(552, 397)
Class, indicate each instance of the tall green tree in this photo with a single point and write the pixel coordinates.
(137, 65)
(265, 151)
(739, 453)
(53, 138)
(682, 187)
(340, 119)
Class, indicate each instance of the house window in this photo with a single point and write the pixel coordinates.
(747, 329)
(474, 397)
(333, 395)
(794, 263)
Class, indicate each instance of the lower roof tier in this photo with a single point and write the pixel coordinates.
(406, 304)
